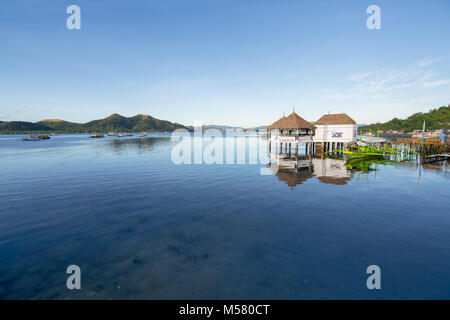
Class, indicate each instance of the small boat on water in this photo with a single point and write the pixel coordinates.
(129, 134)
(31, 138)
(97, 135)
(112, 133)
(36, 138)
(363, 152)
(143, 134)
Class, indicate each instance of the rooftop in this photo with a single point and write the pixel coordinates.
(338, 118)
(293, 121)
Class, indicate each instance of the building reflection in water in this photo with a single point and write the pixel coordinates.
(296, 170)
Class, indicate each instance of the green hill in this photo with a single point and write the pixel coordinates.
(22, 127)
(114, 122)
(63, 126)
(137, 123)
(435, 119)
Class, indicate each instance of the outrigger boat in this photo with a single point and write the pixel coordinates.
(366, 152)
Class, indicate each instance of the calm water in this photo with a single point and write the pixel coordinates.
(141, 227)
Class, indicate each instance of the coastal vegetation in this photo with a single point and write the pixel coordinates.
(435, 119)
(114, 122)
(22, 127)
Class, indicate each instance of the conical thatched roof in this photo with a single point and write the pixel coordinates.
(293, 121)
(339, 118)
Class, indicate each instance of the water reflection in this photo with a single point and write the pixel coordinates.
(295, 170)
(439, 167)
(367, 165)
(141, 144)
(290, 170)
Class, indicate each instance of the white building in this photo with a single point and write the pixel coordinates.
(335, 128)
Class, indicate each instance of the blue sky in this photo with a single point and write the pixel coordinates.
(235, 62)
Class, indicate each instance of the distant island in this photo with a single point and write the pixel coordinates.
(438, 118)
(115, 122)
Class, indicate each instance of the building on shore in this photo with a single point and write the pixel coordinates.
(330, 132)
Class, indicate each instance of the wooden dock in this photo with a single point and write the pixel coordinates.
(428, 150)
(436, 157)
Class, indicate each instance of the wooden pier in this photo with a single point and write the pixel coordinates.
(427, 148)
(436, 157)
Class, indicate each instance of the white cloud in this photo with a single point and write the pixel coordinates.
(380, 95)
(382, 84)
(359, 76)
(437, 83)
(427, 61)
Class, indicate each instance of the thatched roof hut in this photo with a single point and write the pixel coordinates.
(335, 119)
(291, 122)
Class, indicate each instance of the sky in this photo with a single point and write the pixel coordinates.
(225, 62)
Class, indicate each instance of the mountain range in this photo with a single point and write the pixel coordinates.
(435, 119)
(114, 122)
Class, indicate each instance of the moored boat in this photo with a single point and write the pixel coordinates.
(96, 135)
(112, 133)
(31, 138)
(363, 152)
